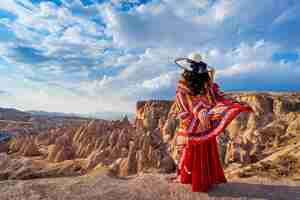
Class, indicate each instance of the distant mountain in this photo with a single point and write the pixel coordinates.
(13, 114)
(108, 115)
(17, 115)
(51, 114)
(96, 115)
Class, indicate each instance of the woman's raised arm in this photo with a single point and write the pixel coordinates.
(220, 95)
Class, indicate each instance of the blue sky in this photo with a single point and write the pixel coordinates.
(86, 56)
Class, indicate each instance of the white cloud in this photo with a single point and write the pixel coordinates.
(162, 81)
(289, 14)
(104, 58)
(244, 59)
(223, 9)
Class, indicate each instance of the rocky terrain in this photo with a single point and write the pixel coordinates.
(256, 149)
(100, 185)
(123, 148)
(265, 142)
(16, 122)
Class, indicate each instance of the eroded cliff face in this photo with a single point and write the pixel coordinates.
(118, 146)
(269, 135)
(266, 142)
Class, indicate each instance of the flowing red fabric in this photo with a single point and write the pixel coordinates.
(200, 164)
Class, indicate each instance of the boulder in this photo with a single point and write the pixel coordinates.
(61, 150)
(294, 127)
(169, 128)
(95, 158)
(4, 146)
(113, 138)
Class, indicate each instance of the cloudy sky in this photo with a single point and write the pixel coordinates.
(85, 56)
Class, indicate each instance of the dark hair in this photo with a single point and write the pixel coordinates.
(196, 81)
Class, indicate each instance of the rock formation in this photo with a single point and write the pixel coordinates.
(251, 137)
(252, 140)
(4, 146)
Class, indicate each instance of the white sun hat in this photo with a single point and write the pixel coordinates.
(194, 62)
(195, 57)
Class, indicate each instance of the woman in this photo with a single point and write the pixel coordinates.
(204, 112)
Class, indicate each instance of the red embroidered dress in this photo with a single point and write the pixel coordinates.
(202, 118)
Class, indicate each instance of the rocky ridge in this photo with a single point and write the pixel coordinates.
(117, 145)
(262, 143)
(271, 134)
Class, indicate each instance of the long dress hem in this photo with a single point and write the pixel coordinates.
(200, 164)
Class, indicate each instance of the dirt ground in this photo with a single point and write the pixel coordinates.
(102, 186)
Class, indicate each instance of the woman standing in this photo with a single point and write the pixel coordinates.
(204, 112)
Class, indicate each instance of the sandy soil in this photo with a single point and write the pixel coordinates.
(101, 186)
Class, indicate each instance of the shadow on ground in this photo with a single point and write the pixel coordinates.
(259, 191)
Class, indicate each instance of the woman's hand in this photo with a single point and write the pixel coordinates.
(202, 116)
